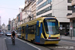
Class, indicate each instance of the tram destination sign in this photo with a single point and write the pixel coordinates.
(51, 20)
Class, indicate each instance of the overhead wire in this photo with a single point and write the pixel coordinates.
(9, 8)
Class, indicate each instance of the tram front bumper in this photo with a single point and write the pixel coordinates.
(49, 41)
(52, 39)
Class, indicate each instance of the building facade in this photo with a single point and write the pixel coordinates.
(29, 11)
(55, 8)
(72, 19)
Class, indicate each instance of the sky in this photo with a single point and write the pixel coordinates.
(10, 9)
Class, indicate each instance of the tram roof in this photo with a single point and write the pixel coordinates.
(32, 22)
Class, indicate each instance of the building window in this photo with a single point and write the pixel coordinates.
(68, 26)
(69, 14)
(48, 15)
(69, 1)
(44, 10)
(39, 1)
(44, 4)
(69, 7)
(74, 23)
(49, 1)
(73, 8)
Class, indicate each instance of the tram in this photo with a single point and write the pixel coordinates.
(43, 30)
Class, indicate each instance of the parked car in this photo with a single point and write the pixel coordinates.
(67, 33)
(1, 33)
(8, 34)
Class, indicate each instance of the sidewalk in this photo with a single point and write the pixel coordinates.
(63, 37)
(2, 44)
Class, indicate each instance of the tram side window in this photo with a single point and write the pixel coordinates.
(20, 30)
(26, 30)
(23, 29)
(29, 28)
(32, 29)
(45, 24)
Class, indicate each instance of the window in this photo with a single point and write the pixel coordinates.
(73, 8)
(23, 29)
(69, 1)
(26, 30)
(32, 29)
(44, 10)
(74, 23)
(44, 4)
(39, 1)
(69, 14)
(48, 15)
(49, 1)
(51, 26)
(68, 26)
(69, 7)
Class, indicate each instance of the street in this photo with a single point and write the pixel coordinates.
(37, 24)
(25, 45)
(19, 45)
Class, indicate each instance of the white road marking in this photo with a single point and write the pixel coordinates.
(5, 44)
(29, 44)
(4, 38)
(9, 38)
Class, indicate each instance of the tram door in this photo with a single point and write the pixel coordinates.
(38, 33)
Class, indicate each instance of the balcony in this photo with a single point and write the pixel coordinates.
(73, 2)
(71, 16)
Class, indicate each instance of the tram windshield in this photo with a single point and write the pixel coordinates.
(51, 26)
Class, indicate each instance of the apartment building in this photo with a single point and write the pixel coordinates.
(55, 8)
(29, 11)
(72, 19)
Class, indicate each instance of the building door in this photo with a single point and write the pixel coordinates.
(65, 28)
